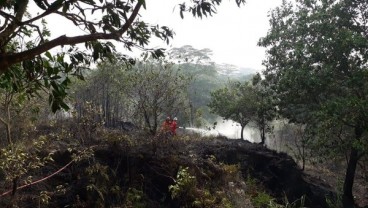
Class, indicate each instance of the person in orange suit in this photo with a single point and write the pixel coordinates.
(166, 125)
(174, 126)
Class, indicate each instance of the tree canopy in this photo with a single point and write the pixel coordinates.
(317, 63)
(245, 102)
(144, 94)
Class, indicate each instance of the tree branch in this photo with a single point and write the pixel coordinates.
(4, 25)
(6, 15)
(7, 60)
(16, 20)
(38, 31)
(47, 12)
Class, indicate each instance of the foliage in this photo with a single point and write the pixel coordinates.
(44, 197)
(17, 95)
(16, 161)
(235, 102)
(135, 198)
(185, 184)
(98, 185)
(197, 63)
(263, 200)
(317, 64)
(336, 201)
(104, 88)
(203, 8)
(245, 102)
(187, 54)
(86, 124)
(144, 93)
(207, 77)
(187, 191)
(118, 21)
(265, 106)
(18, 164)
(157, 90)
(29, 68)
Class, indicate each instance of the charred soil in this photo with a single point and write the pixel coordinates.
(180, 172)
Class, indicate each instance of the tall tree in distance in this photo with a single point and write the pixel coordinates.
(317, 63)
(198, 64)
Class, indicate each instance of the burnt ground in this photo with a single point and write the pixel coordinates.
(277, 172)
(154, 166)
(123, 170)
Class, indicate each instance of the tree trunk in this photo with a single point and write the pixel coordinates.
(263, 136)
(191, 119)
(303, 157)
(8, 133)
(347, 198)
(13, 199)
(148, 123)
(241, 132)
(6, 122)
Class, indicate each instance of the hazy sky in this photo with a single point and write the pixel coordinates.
(232, 33)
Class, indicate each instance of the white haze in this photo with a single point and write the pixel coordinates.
(230, 129)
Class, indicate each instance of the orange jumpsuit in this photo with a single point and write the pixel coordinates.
(173, 127)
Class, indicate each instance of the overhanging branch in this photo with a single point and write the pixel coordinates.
(7, 60)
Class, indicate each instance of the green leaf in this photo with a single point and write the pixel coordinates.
(143, 2)
(64, 105)
(48, 55)
(56, 4)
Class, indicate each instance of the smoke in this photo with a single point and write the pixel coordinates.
(229, 129)
(232, 129)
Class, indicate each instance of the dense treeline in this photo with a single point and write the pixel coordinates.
(149, 91)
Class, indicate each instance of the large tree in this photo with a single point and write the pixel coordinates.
(264, 105)
(236, 102)
(198, 64)
(157, 89)
(317, 61)
(245, 102)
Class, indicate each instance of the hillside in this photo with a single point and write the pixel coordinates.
(125, 171)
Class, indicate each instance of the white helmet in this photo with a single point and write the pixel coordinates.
(175, 119)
